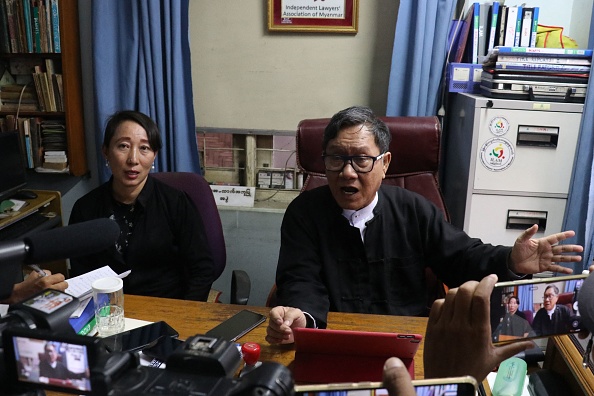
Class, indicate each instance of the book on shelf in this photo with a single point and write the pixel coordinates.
(16, 107)
(535, 58)
(27, 16)
(535, 14)
(12, 26)
(501, 19)
(518, 26)
(526, 26)
(55, 165)
(54, 153)
(570, 52)
(36, 145)
(510, 26)
(493, 28)
(24, 129)
(36, 29)
(49, 80)
(55, 13)
(43, 28)
(58, 91)
(56, 159)
(483, 30)
(4, 35)
(541, 67)
(461, 43)
(476, 9)
(47, 9)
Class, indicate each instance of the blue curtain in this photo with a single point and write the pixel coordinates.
(579, 212)
(525, 296)
(141, 61)
(418, 57)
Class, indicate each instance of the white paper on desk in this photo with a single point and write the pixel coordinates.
(80, 286)
(18, 204)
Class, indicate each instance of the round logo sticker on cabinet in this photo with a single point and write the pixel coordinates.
(499, 126)
(497, 154)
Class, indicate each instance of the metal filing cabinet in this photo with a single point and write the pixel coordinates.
(507, 165)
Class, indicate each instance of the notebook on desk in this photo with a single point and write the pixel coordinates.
(326, 356)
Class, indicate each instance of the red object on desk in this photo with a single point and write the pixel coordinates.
(251, 353)
(324, 356)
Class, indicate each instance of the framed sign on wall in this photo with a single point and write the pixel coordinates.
(327, 16)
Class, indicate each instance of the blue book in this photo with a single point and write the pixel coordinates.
(85, 317)
(28, 30)
(56, 26)
(534, 27)
(493, 26)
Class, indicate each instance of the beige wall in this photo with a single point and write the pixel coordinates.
(246, 77)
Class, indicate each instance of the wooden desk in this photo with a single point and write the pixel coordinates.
(49, 203)
(564, 357)
(191, 317)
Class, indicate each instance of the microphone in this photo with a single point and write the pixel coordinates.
(586, 302)
(75, 240)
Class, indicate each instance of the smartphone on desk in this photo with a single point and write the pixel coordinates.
(139, 338)
(453, 386)
(237, 325)
(535, 308)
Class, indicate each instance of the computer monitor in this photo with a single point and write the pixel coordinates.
(13, 174)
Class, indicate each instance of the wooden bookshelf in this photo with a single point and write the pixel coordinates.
(69, 59)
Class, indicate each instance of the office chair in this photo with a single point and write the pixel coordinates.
(201, 195)
(415, 149)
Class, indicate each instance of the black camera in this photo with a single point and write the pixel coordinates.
(202, 365)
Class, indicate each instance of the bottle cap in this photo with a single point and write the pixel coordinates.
(250, 352)
(107, 285)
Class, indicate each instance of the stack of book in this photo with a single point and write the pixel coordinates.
(49, 87)
(553, 74)
(18, 97)
(53, 139)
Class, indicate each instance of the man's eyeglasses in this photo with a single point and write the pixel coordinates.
(549, 296)
(360, 163)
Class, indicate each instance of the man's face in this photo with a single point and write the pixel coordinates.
(51, 353)
(512, 306)
(550, 299)
(350, 189)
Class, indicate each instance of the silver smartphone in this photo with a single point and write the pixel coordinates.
(453, 386)
(535, 308)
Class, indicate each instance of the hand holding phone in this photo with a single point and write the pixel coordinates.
(535, 308)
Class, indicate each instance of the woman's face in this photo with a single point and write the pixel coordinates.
(130, 158)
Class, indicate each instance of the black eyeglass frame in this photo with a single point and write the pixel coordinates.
(349, 159)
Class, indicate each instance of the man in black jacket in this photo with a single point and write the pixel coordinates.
(359, 246)
(551, 318)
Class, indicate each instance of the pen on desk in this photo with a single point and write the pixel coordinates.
(36, 268)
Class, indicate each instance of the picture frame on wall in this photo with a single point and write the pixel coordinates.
(320, 16)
